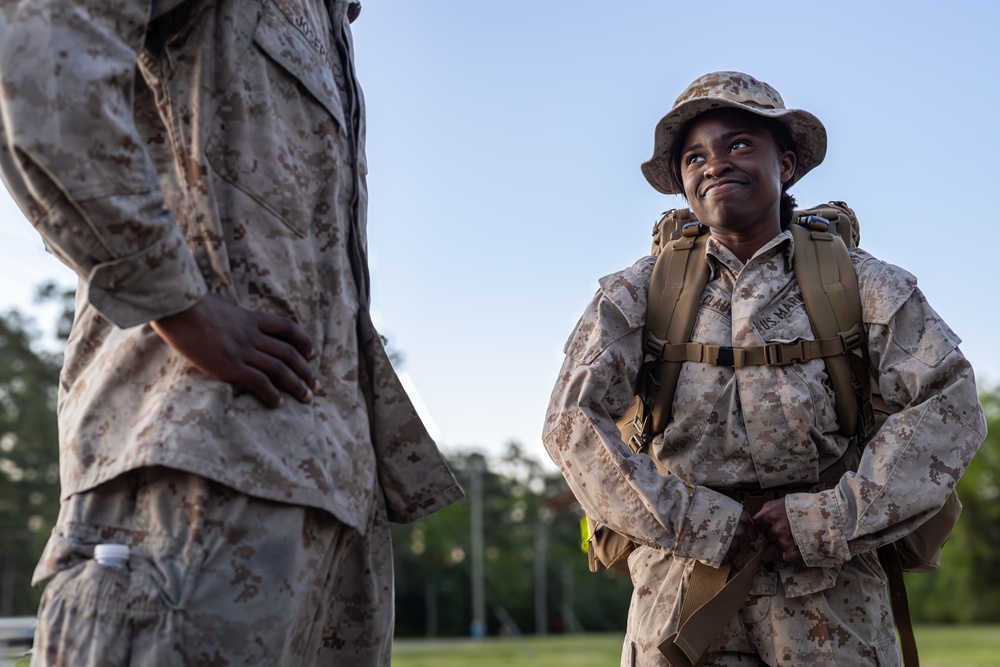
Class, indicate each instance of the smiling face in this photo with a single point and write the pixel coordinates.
(732, 170)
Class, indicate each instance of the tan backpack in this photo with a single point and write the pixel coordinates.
(825, 273)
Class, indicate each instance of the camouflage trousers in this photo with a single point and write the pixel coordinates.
(214, 578)
(849, 623)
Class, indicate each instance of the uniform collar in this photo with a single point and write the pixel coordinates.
(718, 255)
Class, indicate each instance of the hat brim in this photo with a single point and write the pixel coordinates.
(807, 131)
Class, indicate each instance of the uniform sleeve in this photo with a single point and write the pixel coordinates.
(915, 460)
(616, 486)
(74, 162)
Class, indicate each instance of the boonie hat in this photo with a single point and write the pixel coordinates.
(735, 90)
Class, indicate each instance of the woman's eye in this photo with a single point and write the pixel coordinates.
(739, 144)
(692, 159)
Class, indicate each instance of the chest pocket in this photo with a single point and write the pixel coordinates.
(280, 121)
(785, 319)
(285, 37)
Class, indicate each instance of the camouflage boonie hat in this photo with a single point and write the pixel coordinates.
(738, 91)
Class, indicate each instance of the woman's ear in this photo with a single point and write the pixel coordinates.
(787, 162)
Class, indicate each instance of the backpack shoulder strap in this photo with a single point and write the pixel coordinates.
(830, 292)
(675, 288)
(825, 273)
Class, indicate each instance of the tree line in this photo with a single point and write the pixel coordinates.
(507, 557)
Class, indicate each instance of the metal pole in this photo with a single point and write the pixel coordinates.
(432, 608)
(477, 628)
(8, 584)
(541, 584)
(572, 623)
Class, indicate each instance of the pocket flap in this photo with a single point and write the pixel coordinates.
(304, 54)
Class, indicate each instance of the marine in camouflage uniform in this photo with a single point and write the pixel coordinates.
(226, 408)
(823, 600)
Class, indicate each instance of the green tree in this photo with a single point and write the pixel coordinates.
(966, 588)
(531, 555)
(65, 299)
(29, 468)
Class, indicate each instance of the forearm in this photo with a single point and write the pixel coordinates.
(911, 465)
(74, 161)
(906, 474)
(624, 490)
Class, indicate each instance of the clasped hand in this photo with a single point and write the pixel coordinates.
(771, 522)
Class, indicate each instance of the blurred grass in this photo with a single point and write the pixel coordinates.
(589, 650)
(958, 645)
(939, 646)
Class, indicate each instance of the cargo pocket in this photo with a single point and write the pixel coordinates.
(758, 604)
(280, 123)
(887, 653)
(869, 561)
(629, 651)
(81, 619)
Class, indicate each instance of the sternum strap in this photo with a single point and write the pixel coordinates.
(771, 354)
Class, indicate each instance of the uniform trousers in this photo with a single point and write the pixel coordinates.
(215, 577)
(849, 623)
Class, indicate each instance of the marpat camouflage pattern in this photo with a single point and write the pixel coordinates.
(213, 579)
(764, 427)
(169, 149)
(242, 174)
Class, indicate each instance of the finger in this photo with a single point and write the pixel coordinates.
(260, 386)
(286, 330)
(737, 546)
(791, 555)
(290, 357)
(752, 530)
(767, 510)
(281, 376)
(761, 520)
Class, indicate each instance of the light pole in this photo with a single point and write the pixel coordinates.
(541, 580)
(477, 628)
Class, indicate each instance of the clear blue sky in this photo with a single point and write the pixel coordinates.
(504, 149)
